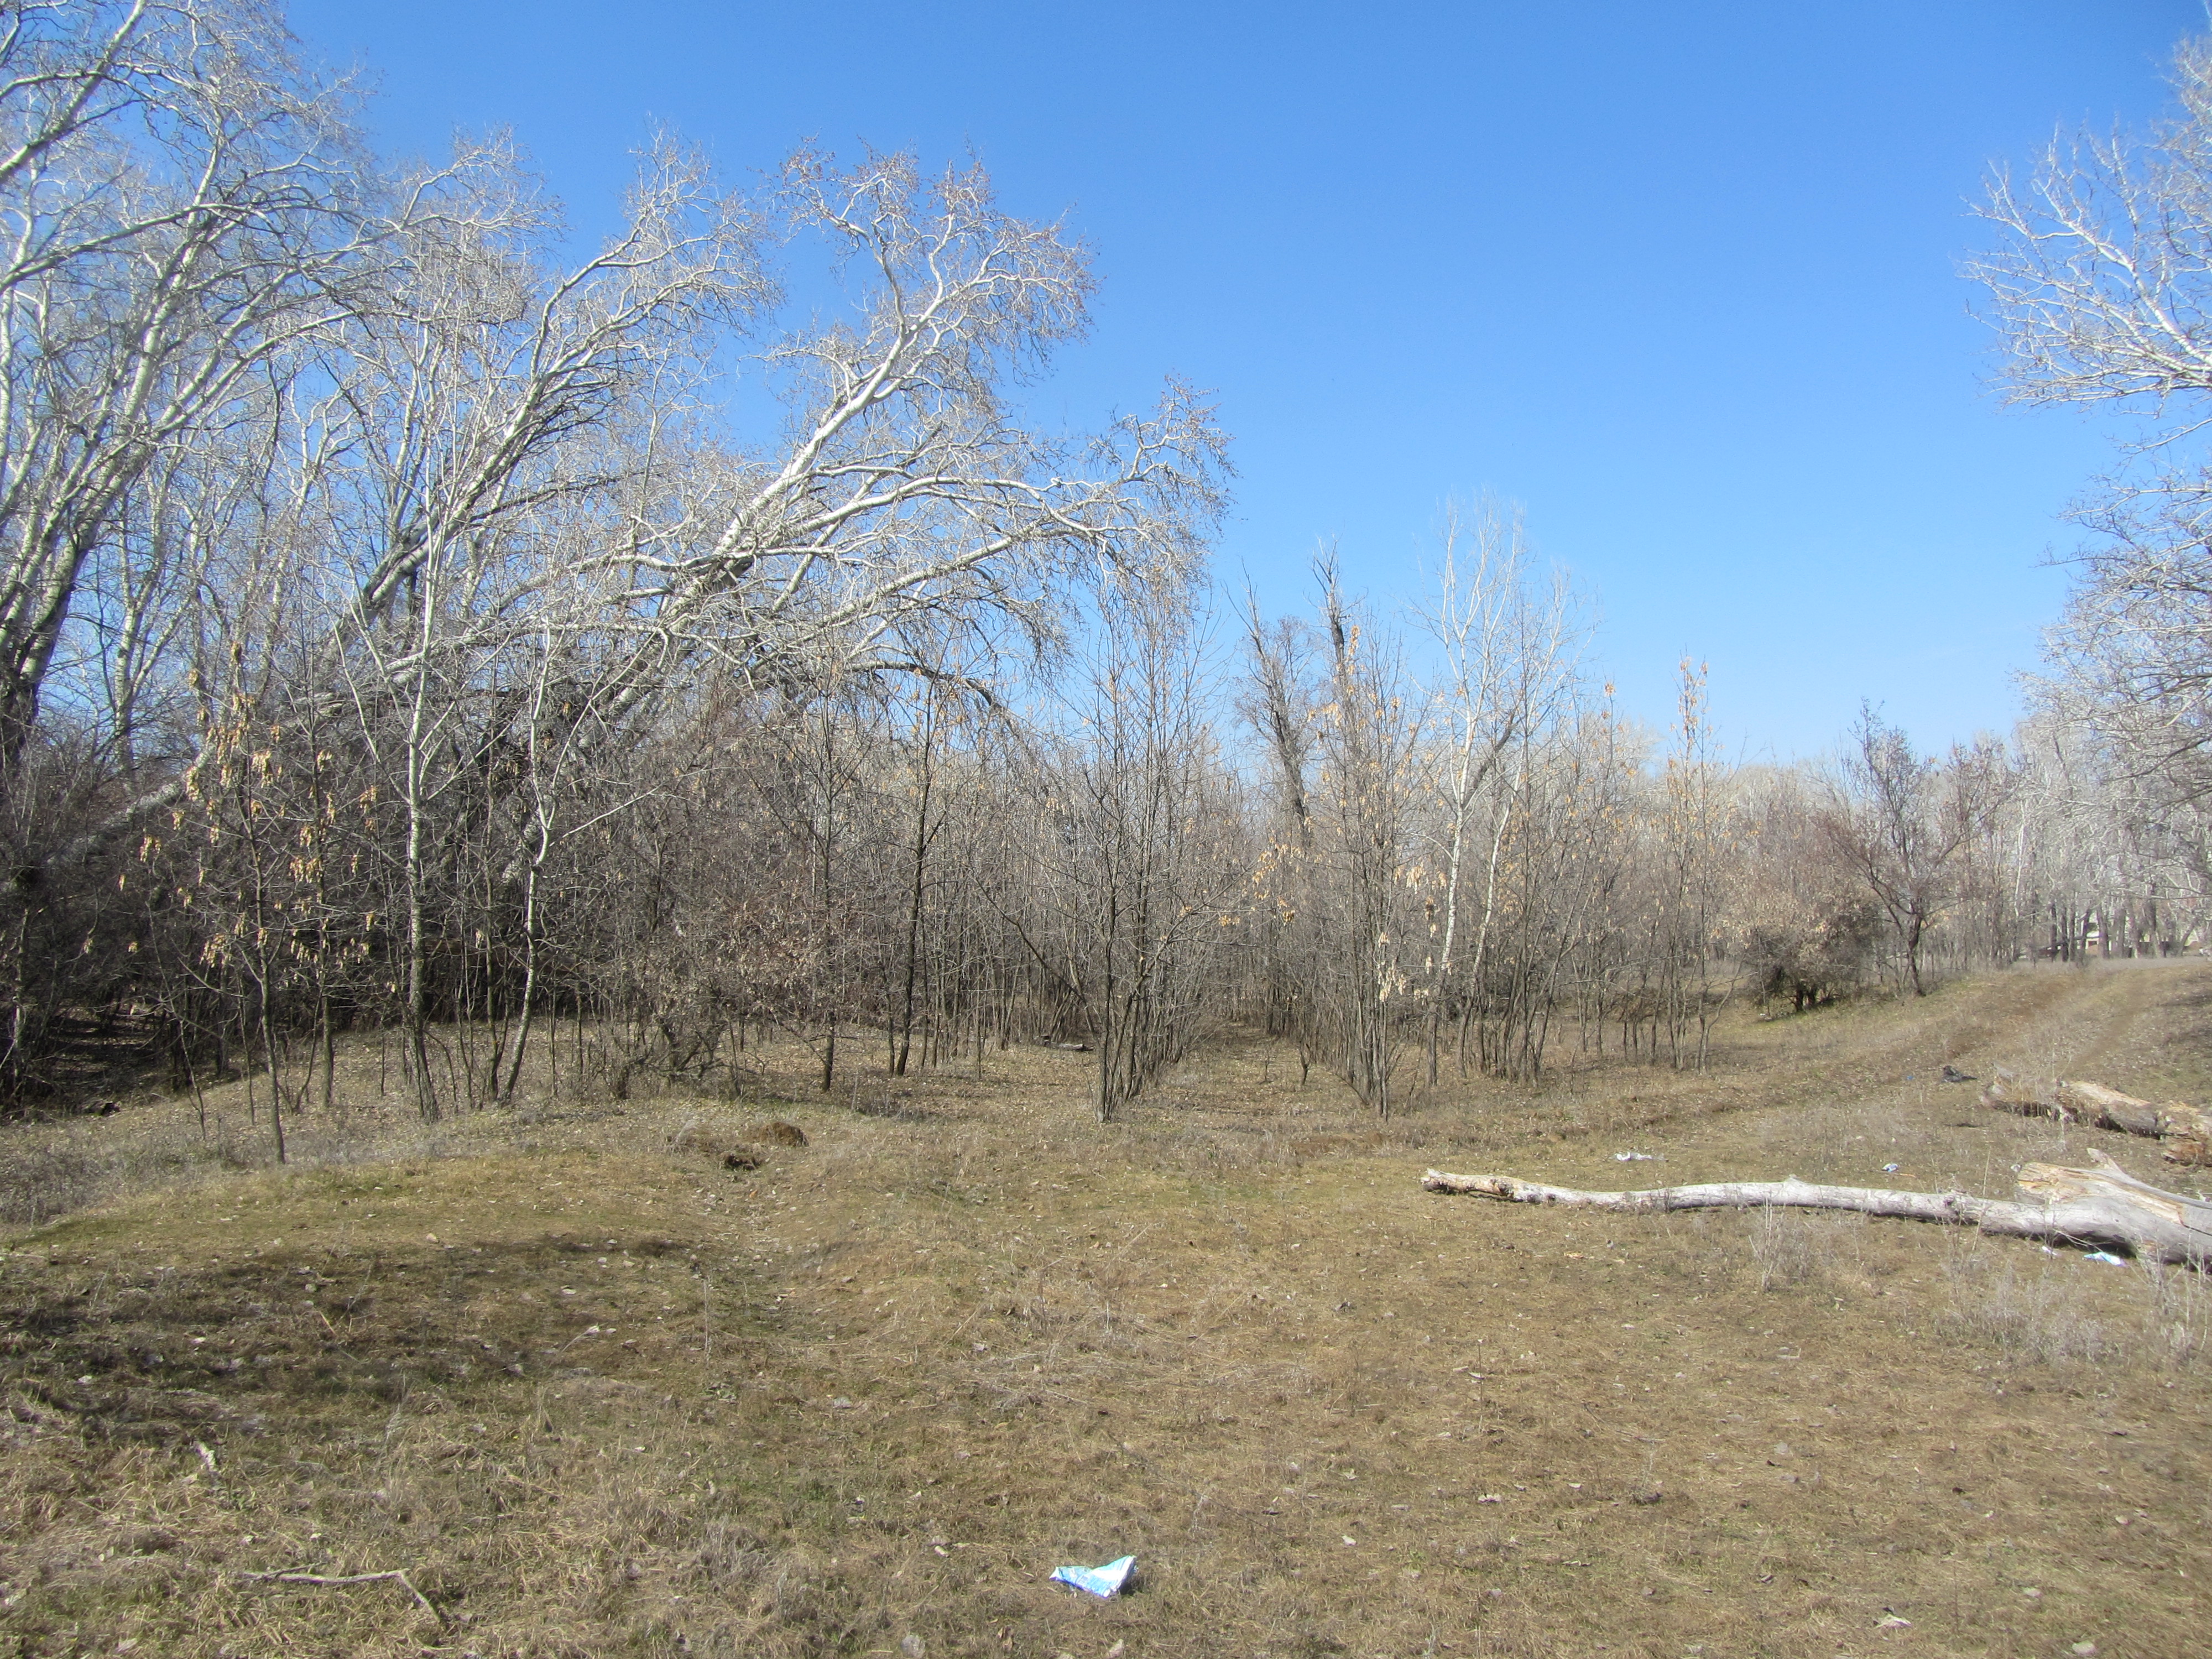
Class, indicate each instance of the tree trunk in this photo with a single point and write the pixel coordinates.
(2187, 1130)
(415, 1015)
(506, 1093)
(2101, 1207)
(276, 1078)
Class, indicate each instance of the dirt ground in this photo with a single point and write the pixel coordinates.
(593, 1393)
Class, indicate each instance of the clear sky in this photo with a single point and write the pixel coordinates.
(1678, 277)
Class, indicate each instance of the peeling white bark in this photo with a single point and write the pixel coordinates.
(2101, 1207)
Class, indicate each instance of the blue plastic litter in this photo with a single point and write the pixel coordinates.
(2106, 1255)
(1105, 1581)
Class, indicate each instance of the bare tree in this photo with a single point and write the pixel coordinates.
(1696, 827)
(183, 207)
(1139, 842)
(1368, 941)
(1570, 848)
(1276, 707)
(1885, 818)
(180, 212)
(1804, 925)
(2102, 284)
(1510, 645)
(905, 490)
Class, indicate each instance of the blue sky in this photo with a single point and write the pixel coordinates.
(1680, 278)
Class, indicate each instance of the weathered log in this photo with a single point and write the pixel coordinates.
(2100, 1208)
(2108, 1108)
(2071, 1102)
(2189, 1147)
(2187, 1130)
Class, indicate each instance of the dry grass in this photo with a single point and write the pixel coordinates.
(597, 1395)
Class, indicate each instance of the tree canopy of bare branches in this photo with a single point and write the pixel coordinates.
(2102, 284)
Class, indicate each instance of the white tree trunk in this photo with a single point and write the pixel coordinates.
(2103, 1206)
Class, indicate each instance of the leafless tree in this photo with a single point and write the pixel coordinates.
(1511, 644)
(1889, 820)
(2101, 280)
(1367, 939)
(1696, 829)
(183, 207)
(1139, 844)
(1804, 925)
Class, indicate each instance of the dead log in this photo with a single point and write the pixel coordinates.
(2102, 1208)
(2072, 1103)
(2187, 1130)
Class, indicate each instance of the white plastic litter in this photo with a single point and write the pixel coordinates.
(1104, 1582)
(1634, 1157)
(1891, 1169)
(2106, 1255)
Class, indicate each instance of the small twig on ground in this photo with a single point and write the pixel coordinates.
(396, 1576)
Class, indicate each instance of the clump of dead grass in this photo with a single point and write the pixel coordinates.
(2029, 1313)
(1792, 1248)
(57, 1168)
(1781, 1249)
(2054, 1307)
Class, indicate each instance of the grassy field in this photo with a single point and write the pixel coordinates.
(592, 1394)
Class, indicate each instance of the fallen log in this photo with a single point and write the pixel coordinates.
(2187, 1130)
(2102, 1208)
